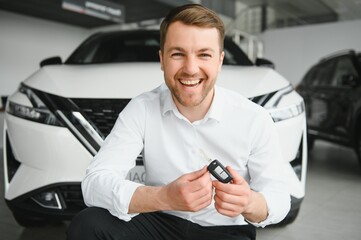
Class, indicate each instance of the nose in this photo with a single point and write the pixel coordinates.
(190, 65)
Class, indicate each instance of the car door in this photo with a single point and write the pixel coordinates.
(347, 92)
(330, 108)
(317, 103)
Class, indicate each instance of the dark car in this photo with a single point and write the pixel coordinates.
(332, 93)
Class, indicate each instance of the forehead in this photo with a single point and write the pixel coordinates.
(182, 35)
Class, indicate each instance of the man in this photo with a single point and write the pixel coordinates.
(174, 126)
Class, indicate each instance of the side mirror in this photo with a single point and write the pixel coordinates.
(349, 80)
(3, 101)
(265, 63)
(51, 61)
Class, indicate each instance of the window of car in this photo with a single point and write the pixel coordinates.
(138, 46)
(359, 58)
(322, 74)
(111, 48)
(307, 79)
(344, 67)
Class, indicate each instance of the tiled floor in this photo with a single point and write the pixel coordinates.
(330, 211)
(332, 207)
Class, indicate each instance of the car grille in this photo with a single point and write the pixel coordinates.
(91, 120)
(101, 113)
(72, 196)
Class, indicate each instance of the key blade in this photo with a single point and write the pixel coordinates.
(204, 155)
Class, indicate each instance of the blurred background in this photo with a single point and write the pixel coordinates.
(314, 44)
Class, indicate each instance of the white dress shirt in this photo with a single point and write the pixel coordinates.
(236, 131)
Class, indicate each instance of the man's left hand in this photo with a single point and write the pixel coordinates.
(237, 198)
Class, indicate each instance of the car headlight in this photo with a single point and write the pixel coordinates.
(39, 112)
(280, 112)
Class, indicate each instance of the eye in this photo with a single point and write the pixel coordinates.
(177, 55)
(205, 55)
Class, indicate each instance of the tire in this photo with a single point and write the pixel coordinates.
(290, 218)
(358, 148)
(310, 142)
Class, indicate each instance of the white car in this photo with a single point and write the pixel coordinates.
(57, 120)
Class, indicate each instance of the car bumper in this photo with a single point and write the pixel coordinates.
(46, 155)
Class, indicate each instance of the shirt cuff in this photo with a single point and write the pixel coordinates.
(278, 207)
(121, 201)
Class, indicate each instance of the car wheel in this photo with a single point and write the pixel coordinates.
(290, 218)
(310, 142)
(358, 147)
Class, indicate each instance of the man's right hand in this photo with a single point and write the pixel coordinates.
(190, 192)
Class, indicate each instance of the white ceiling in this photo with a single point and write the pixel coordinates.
(344, 9)
(287, 12)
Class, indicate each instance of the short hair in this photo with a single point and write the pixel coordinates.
(192, 14)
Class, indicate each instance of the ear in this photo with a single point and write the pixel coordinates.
(221, 61)
(161, 60)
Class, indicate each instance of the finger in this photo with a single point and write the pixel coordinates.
(234, 204)
(236, 200)
(233, 189)
(196, 174)
(224, 205)
(237, 179)
(226, 212)
(202, 183)
(206, 178)
(199, 199)
(200, 203)
(226, 197)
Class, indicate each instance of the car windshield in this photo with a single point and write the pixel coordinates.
(137, 46)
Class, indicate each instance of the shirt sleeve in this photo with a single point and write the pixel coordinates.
(105, 183)
(267, 170)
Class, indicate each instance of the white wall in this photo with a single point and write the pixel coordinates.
(294, 50)
(25, 41)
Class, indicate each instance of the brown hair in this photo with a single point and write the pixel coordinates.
(192, 14)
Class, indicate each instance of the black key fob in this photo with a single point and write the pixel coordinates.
(219, 171)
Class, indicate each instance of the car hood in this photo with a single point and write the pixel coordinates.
(127, 80)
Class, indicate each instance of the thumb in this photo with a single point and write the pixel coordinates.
(237, 179)
(196, 174)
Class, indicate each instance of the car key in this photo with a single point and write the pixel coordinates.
(217, 169)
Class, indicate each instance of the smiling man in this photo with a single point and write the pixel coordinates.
(191, 63)
(170, 126)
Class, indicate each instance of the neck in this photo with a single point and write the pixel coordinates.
(198, 112)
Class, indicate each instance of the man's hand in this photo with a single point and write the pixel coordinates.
(237, 198)
(190, 192)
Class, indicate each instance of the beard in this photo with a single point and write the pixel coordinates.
(191, 98)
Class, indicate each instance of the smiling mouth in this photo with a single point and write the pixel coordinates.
(190, 83)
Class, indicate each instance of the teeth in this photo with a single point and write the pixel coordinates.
(190, 82)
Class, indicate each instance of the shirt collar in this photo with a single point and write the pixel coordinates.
(167, 103)
(214, 112)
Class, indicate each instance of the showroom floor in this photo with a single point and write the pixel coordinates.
(331, 209)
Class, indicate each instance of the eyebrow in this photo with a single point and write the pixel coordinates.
(206, 50)
(175, 49)
(182, 50)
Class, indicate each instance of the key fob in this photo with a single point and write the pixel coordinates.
(219, 171)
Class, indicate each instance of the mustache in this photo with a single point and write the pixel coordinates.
(190, 76)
